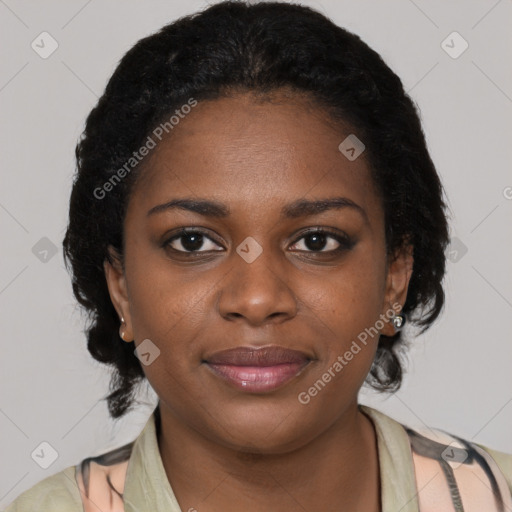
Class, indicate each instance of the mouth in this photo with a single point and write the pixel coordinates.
(259, 370)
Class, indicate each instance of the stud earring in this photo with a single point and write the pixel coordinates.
(121, 331)
(399, 322)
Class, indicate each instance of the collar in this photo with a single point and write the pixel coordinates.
(396, 467)
(147, 487)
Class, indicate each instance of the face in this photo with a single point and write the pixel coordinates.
(265, 265)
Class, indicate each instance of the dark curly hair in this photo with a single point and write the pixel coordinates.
(233, 47)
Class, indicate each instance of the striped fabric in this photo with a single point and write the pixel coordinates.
(421, 471)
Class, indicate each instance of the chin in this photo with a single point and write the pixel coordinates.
(267, 435)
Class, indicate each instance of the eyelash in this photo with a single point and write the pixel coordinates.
(345, 242)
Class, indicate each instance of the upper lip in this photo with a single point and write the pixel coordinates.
(263, 356)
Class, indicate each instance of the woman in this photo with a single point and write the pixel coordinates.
(255, 216)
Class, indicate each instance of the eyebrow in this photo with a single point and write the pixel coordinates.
(298, 208)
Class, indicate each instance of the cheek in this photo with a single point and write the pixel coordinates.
(352, 297)
(346, 350)
(161, 296)
(168, 312)
(349, 304)
(167, 309)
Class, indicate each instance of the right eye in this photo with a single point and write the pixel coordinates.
(191, 241)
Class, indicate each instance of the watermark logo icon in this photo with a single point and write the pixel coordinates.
(44, 455)
(147, 352)
(454, 45)
(351, 147)
(44, 45)
(456, 250)
(454, 455)
(249, 249)
(44, 250)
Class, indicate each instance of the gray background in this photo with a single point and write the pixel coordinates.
(459, 376)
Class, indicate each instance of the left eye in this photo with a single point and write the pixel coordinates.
(320, 241)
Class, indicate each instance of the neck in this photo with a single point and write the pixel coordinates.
(337, 471)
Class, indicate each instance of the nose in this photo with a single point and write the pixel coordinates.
(257, 293)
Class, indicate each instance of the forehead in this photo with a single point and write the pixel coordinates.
(246, 150)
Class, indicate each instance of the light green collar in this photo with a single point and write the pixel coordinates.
(147, 487)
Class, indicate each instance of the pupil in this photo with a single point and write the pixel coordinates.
(318, 241)
(192, 241)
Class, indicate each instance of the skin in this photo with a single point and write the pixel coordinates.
(223, 448)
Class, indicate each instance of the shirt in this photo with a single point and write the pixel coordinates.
(420, 471)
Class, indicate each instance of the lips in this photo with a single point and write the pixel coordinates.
(257, 370)
(264, 356)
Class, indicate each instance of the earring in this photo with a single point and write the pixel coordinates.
(399, 321)
(121, 331)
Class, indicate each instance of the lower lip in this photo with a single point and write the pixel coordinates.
(258, 378)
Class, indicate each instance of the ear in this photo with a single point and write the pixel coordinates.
(397, 283)
(116, 283)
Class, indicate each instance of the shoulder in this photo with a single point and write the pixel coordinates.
(56, 493)
(446, 470)
(96, 483)
(459, 470)
(503, 461)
